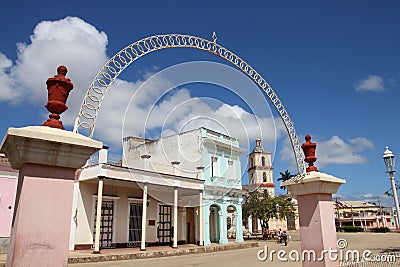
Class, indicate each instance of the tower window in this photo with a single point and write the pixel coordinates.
(263, 161)
(264, 177)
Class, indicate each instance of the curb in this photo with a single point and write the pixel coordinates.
(156, 254)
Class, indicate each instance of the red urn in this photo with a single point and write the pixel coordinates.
(309, 152)
(58, 89)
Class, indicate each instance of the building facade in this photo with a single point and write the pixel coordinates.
(362, 214)
(183, 188)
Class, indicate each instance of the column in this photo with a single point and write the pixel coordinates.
(196, 226)
(144, 219)
(175, 243)
(223, 239)
(239, 227)
(47, 159)
(206, 229)
(98, 216)
(201, 219)
(316, 215)
(200, 175)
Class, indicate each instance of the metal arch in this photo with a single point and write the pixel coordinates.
(91, 104)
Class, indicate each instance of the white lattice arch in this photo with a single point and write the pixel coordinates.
(86, 120)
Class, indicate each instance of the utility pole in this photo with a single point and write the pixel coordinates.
(381, 212)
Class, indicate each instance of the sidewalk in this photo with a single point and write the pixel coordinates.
(84, 256)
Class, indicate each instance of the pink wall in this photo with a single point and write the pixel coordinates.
(8, 187)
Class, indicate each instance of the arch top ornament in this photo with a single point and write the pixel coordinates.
(86, 120)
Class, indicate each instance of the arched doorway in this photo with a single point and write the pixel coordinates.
(231, 221)
(86, 120)
(214, 224)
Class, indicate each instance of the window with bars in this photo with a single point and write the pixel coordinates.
(106, 224)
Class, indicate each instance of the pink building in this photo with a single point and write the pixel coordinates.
(8, 187)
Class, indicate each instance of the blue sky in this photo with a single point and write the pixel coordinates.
(335, 65)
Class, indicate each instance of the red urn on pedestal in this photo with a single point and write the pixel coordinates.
(309, 152)
(58, 89)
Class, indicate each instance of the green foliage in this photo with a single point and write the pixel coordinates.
(351, 229)
(262, 206)
(284, 177)
(380, 230)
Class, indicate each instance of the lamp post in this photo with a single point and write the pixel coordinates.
(388, 158)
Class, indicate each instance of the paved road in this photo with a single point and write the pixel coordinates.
(377, 243)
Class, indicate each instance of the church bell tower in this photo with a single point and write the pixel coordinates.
(260, 170)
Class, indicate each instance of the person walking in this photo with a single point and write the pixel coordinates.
(285, 237)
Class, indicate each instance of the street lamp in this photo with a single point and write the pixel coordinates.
(388, 157)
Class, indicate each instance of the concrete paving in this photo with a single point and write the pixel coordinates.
(227, 255)
(376, 242)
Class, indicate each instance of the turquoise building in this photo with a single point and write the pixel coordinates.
(223, 193)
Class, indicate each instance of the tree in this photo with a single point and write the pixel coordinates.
(262, 206)
(284, 177)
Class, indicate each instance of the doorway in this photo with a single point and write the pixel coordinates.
(214, 224)
(164, 230)
(190, 227)
(135, 224)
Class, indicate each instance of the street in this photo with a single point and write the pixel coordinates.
(376, 242)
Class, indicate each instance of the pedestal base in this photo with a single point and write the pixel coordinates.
(47, 159)
(41, 223)
(317, 228)
(316, 216)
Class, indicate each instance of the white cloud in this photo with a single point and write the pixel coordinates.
(82, 48)
(337, 151)
(372, 83)
(71, 42)
(6, 82)
(334, 151)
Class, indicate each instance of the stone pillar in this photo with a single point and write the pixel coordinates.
(239, 226)
(200, 175)
(316, 215)
(223, 238)
(175, 242)
(47, 159)
(207, 223)
(144, 219)
(201, 219)
(98, 216)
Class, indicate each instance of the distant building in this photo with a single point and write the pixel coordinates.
(363, 214)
